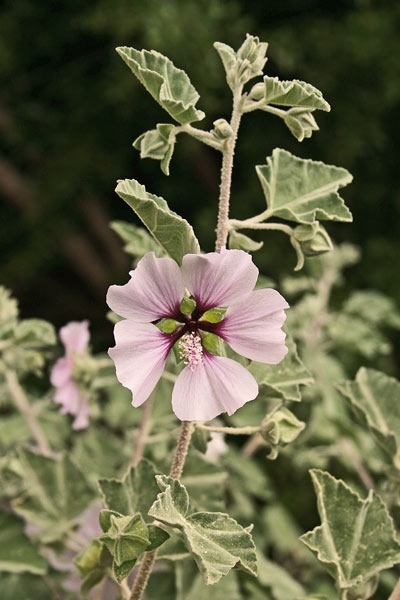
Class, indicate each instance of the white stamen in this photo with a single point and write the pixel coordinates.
(191, 349)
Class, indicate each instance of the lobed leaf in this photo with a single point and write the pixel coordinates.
(356, 538)
(173, 233)
(137, 241)
(293, 93)
(216, 541)
(169, 86)
(285, 378)
(303, 190)
(17, 553)
(374, 397)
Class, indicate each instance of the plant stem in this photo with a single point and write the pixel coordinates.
(147, 563)
(143, 429)
(226, 173)
(250, 224)
(395, 595)
(249, 430)
(26, 411)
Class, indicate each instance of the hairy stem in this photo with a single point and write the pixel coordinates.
(143, 430)
(226, 173)
(147, 563)
(26, 411)
(395, 595)
(249, 430)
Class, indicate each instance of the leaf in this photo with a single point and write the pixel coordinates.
(349, 331)
(240, 241)
(216, 541)
(158, 143)
(25, 586)
(35, 332)
(374, 307)
(204, 482)
(126, 538)
(374, 397)
(173, 233)
(356, 539)
(137, 241)
(57, 493)
(303, 190)
(17, 553)
(285, 378)
(190, 586)
(169, 86)
(293, 93)
(275, 578)
(135, 493)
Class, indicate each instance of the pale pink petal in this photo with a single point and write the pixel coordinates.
(155, 290)
(82, 415)
(68, 396)
(75, 336)
(139, 355)
(218, 385)
(61, 371)
(252, 327)
(219, 279)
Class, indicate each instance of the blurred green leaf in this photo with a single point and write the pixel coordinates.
(17, 552)
(356, 539)
(190, 586)
(168, 85)
(303, 190)
(173, 233)
(137, 241)
(216, 541)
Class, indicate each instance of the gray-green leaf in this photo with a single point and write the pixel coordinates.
(293, 93)
(173, 233)
(216, 541)
(303, 190)
(374, 397)
(169, 86)
(17, 553)
(356, 539)
(158, 143)
(137, 240)
(283, 379)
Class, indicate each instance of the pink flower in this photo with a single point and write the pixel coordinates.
(209, 385)
(75, 337)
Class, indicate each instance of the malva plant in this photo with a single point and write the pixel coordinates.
(141, 502)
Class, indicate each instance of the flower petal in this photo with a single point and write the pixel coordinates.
(75, 336)
(139, 355)
(252, 327)
(218, 279)
(155, 290)
(68, 396)
(82, 415)
(217, 385)
(61, 371)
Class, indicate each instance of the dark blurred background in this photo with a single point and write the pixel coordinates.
(70, 110)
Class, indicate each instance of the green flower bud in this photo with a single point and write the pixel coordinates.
(257, 92)
(222, 129)
(281, 427)
(301, 122)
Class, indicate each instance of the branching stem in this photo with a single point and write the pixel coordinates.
(26, 411)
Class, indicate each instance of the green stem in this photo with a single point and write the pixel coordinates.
(226, 173)
(26, 411)
(252, 224)
(142, 432)
(201, 136)
(149, 558)
(249, 430)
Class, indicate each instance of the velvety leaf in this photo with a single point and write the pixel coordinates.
(351, 332)
(374, 398)
(173, 233)
(374, 307)
(240, 241)
(127, 537)
(35, 332)
(293, 93)
(285, 378)
(303, 190)
(356, 539)
(190, 586)
(169, 86)
(17, 553)
(56, 493)
(135, 493)
(277, 580)
(204, 482)
(216, 541)
(137, 240)
(158, 143)
(89, 565)
(25, 586)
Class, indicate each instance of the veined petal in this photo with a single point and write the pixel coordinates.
(216, 386)
(218, 279)
(154, 291)
(75, 336)
(139, 355)
(61, 371)
(252, 327)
